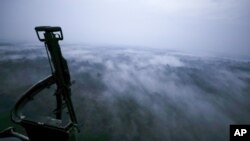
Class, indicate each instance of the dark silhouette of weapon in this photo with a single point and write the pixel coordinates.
(50, 128)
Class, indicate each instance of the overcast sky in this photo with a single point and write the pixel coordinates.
(209, 25)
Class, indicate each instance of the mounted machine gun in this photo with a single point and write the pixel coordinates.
(50, 128)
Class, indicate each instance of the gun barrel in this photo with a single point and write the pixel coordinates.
(61, 73)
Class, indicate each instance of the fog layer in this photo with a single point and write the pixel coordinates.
(134, 95)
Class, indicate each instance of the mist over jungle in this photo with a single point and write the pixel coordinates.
(141, 70)
(131, 94)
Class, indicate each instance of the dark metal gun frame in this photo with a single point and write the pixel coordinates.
(60, 76)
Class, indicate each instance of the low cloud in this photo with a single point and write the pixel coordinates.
(131, 95)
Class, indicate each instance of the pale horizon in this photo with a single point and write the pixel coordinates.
(213, 26)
